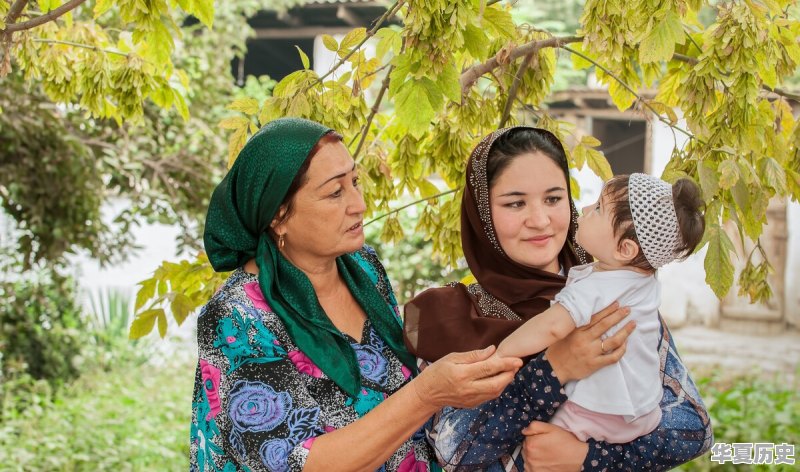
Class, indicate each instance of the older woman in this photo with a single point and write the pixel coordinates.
(518, 225)
(301, 357)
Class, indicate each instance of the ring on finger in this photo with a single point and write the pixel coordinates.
(603, 347)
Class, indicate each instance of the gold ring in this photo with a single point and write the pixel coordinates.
(602, 346)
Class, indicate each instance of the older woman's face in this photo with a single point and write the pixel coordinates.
(530, 211)
(327, 211)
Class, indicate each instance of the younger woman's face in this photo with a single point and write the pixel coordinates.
(530, 211)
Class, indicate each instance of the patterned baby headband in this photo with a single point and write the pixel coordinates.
(654, 218)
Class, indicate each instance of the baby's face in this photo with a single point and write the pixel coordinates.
(596, 232)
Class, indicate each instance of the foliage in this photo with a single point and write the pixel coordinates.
(107, 59)
(133, 417)
(457, 70)
(41, 330)
(49, 178)
(409, 262)
(59, 166)
(747, 410)
(180, 288)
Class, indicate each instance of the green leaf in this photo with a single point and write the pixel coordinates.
(774, 174)
(621, 97)
(181, 307)
(659, 43)
(146, 292)
(579, 155)
(180, 104)
(388, 40)
(729, 174)
(303, 57)
(590, 141)
(476, 42)
(413, 105)
(351, 40)
(427, 189)
(449, 82)
(234, 122)
(102, 6)
(330, 43)
(499, 21)
(718, 265)
(144, 323)
(46, 5)
(709, 180)
(598, 163)
(204, 11)
(162, 324)
(579, 62)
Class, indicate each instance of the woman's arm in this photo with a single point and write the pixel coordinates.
(460, 379)
(538, 333)
(683, 434)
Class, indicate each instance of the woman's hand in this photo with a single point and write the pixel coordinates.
(465, 379)
(548, 447)
(584, 351)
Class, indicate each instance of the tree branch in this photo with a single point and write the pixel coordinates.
(79, 45)
(15, 11)
(398, 210)
(374, 111)
(52, 15)
(633, 92)
(370, 33)
(778, 91)
(469, 76)
(512, 92)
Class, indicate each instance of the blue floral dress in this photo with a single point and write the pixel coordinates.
(259, 402)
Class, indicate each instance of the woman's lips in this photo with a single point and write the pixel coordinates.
(538, 240)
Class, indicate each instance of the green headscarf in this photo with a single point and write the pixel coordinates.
(241, 210)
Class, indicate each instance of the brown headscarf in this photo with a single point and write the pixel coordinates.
(460, 318)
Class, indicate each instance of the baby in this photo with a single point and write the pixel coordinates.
(639, 224)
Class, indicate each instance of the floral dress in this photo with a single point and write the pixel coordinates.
(488, 438)
(259, 402)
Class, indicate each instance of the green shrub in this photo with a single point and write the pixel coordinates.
(41, 329)
(129, 418)
(750, 410)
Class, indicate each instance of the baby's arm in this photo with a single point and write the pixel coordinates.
(538, 333)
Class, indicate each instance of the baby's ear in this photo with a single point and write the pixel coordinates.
(627, 250)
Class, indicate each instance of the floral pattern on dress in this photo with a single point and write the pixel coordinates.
(259, 402)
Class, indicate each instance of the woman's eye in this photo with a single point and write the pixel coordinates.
(336, 194)
(356, 181)
(552, 200)
(517, 204)
(597, 207)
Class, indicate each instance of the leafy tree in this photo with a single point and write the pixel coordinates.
(456, 70)
(61, 158)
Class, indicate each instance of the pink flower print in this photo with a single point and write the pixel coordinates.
(308, 442)
(411, 464)
(254, 293)
(303, 364)
(406, 372)
(231, 339)
(210, 375)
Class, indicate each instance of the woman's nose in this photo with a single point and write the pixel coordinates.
(357, 203)
(537, 218)
(586, 209)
